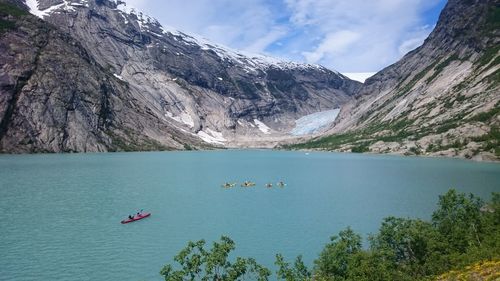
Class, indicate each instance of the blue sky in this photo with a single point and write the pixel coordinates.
(345, 35)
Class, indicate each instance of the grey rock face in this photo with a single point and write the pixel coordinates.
(55, 98)
(120, 81)
(438, 98)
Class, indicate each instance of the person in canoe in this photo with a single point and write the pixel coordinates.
(228, 185)
(247, 184)
(269, 185)
(140, 215)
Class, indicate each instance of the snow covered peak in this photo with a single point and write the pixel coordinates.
(250, 61)
(68, 5)
(142, 19)
(146, 24)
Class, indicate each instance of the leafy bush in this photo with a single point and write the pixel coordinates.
(198, 263)
(360, 148)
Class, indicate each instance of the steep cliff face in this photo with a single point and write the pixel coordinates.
(55, 97)
(155, 87)
(440, 99)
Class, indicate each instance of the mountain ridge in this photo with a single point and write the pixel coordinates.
(209, 95)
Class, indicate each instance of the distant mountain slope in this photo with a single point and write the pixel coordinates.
(440, 99)
(121, 81)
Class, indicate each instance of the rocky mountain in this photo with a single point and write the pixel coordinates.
(95, 75)
(443, 98)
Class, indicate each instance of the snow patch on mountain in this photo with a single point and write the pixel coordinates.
(66, 5)
(211, 136)
(33, 5)
(262, 127)
(182, 118)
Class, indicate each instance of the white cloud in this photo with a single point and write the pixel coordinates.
(334, 44)
(411, 44)
(379, 31)
(261, 44)
(416, 39)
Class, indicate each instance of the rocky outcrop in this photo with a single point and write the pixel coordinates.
(96, 76)
(441, 99)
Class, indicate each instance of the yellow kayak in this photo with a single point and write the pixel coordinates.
(228, 185)
(248, 184)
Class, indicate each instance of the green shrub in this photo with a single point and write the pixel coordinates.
(362, 148)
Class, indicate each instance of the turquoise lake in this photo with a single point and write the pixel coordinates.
(61, 213)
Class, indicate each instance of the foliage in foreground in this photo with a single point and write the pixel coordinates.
(463, 231)
(198, 263)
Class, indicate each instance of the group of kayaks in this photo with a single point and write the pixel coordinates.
(248, 184)
(141, 215)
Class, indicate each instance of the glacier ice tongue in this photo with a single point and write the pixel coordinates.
(313, 123)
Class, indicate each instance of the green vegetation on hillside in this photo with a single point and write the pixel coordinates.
(130, 141)
(463, 231)
(6, 11)
(9, 9)
(6, 25)
(403, 129)
(392, 131)
(492, 23)
(489, 54)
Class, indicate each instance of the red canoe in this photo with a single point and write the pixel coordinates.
(136, 218)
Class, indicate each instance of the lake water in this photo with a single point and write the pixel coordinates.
(62, 212)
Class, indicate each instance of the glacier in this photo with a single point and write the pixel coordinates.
(313, 123)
